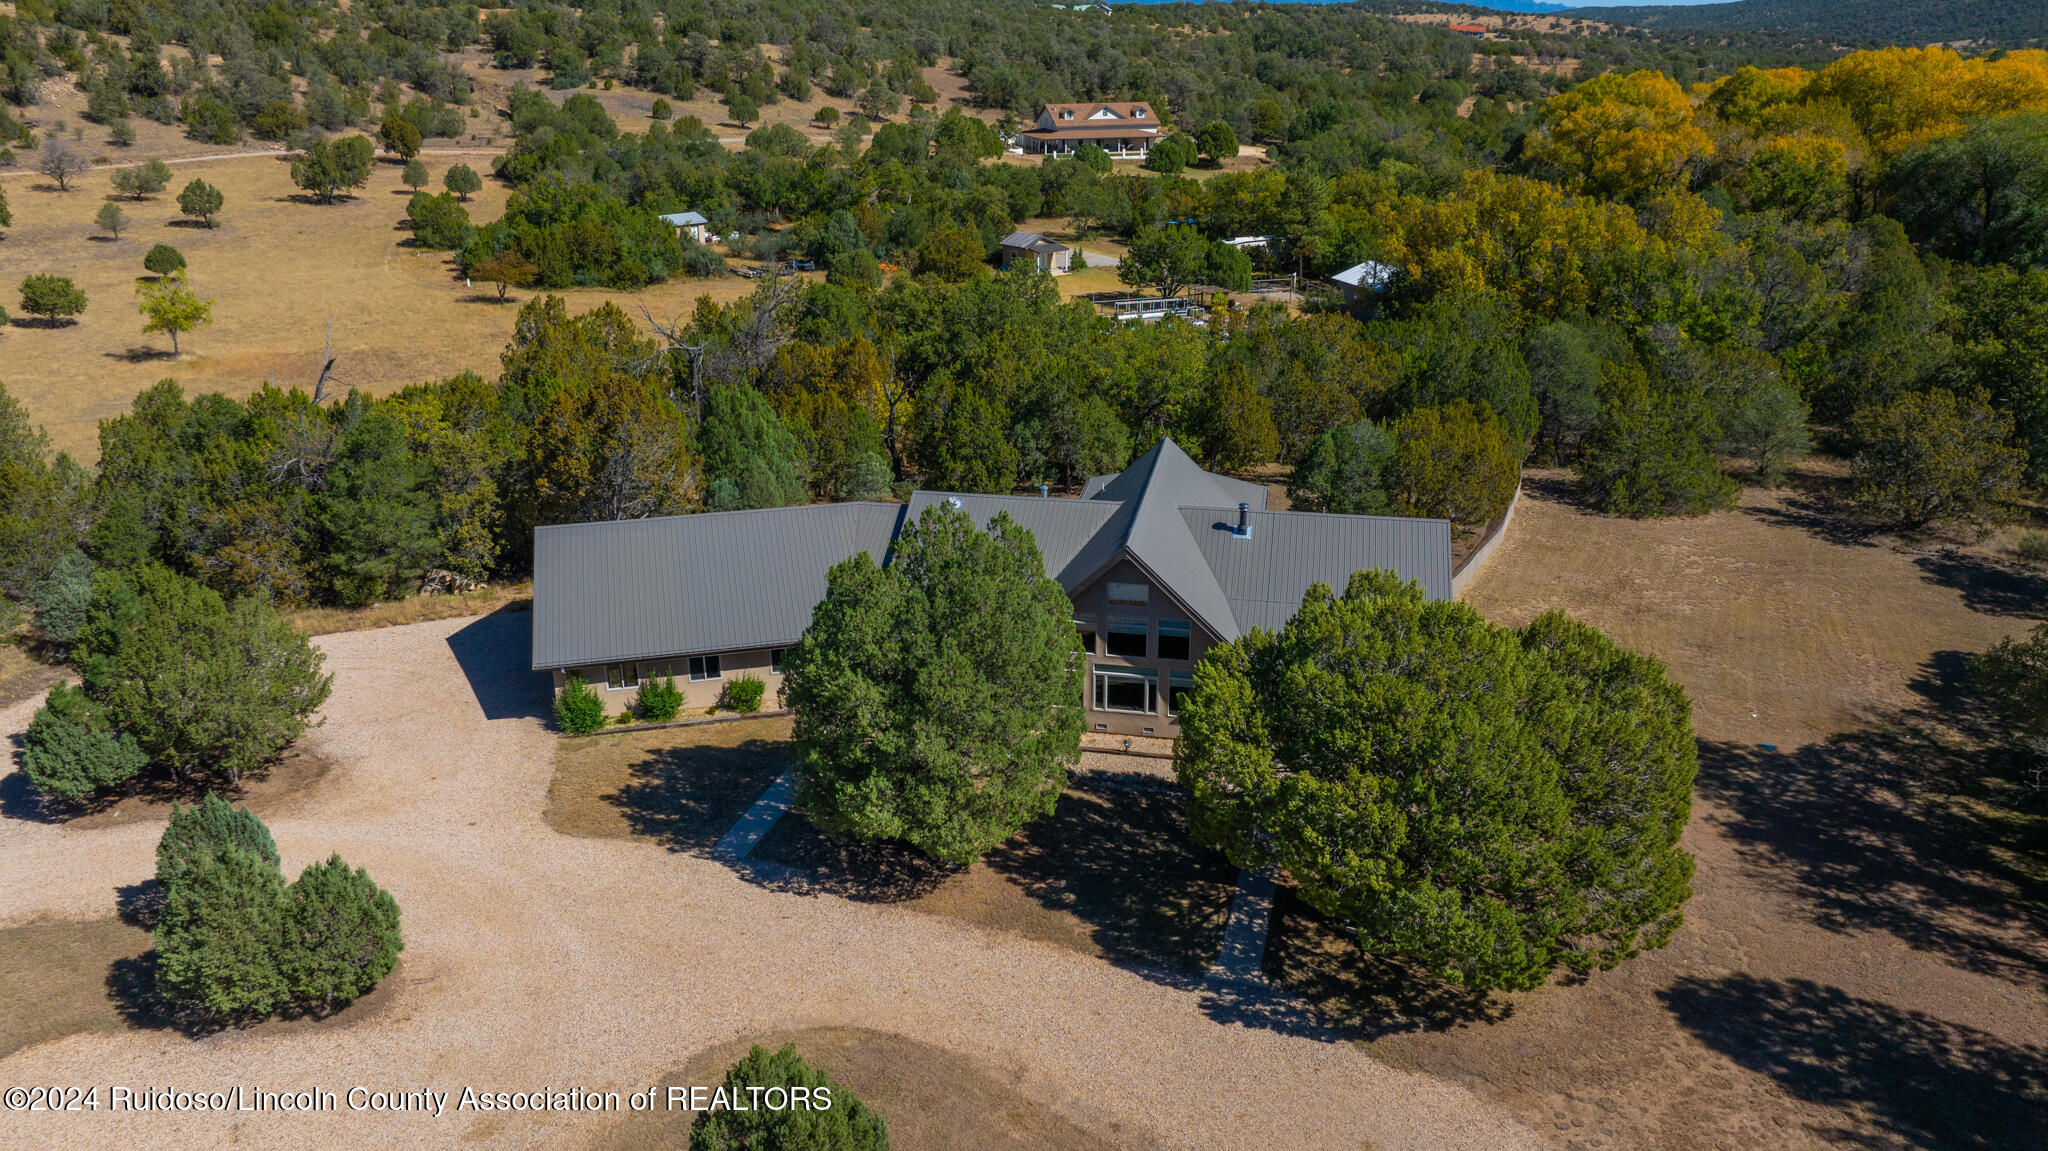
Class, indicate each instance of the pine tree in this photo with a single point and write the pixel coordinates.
(71, 751)
(340, 934)
(750, 458)
(846, 1125)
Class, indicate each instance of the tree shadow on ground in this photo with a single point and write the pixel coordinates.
(1819, 506)
(139, 904)
(1358, 995)
(805, 861)
(131, 984)
(1912, 1078)
(1914, 826)
(20, 800)
(1989, 585)
(1558, 487)
(689, 797)
(140, 355)
(493, 653)
(1116, 854)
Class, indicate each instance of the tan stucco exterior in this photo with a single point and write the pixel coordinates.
(696, 693)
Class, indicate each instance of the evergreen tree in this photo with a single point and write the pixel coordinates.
(202, 200)
(1344, 471)
(162, 260)
(462, 180)
(62, 600)
(1935, 457)
(936, 699)
(71, 751)
(201, 832)
(1452, 463)
(1496, 806)
(414, 176)
(375, 517)
(578, 711)
(750, 458)
(846, 1125)
(220, 936)
(1652, 455)
(340, 934)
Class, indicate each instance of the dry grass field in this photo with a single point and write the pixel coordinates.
(279, 270)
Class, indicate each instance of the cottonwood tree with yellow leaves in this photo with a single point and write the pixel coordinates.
(1626, 137)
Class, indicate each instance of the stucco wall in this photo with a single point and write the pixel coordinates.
(696, 693)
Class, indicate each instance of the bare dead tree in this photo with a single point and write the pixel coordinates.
(327, 358)
(62, 163)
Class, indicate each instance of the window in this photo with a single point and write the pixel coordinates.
(1173, 638)
(1127, 689)
(620, 676)
(1137, 113)
(1176, 683)
(775, 659)
(1127, 637)
(1084, 626)
(1130, 594)
(704, 667)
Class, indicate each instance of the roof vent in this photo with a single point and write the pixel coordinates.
(1045, 491)
(953, 502)
(1243, 530)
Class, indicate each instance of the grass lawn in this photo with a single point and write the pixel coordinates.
(932, 1099)
(684, 786)
(56, 979)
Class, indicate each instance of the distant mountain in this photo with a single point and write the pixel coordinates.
(1518, 6)
(2006, 23)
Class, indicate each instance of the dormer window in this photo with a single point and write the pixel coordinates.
(1066, 113)
(1137, 113)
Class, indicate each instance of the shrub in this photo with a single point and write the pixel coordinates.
(2012, 678)
(578, 711)
(659, 700)
(340, 934)
(415, 175)
(462, 180)
(660, 111)
(220, 936)
(438, 222)
(163, 259)
(201, 832)
(70, 750)
(743, 694)
(2031, 546)
(846, 1124)
(201, 200)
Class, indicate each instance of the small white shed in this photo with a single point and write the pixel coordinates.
(687, 224)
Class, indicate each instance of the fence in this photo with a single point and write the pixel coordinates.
(1270, 284)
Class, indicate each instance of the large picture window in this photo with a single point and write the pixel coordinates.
(1127, 637)
(1176, 683)
(1129, 594)
(1133, 690)
(1173, 638)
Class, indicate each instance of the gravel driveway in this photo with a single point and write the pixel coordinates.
(539, 960)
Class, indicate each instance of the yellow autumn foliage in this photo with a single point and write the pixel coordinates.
(1901, 97)
(1626, 137)
(1555, 252)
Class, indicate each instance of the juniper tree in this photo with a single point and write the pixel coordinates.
(220, 936)
(71, 750)
(340, 934)
(846, 1125)
(937, 700)
(204, 830)
(1492, 804)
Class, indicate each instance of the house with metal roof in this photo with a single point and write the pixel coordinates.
(1049, 255)
(688, 225)
(1121, 128)
(1161, 561)
(1360, 281)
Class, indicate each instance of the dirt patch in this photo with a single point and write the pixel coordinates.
(413, 609)
(684, 786)
(1111, 872)
(930, 1097)
(272, 793)
(23, 676)
(56, 979)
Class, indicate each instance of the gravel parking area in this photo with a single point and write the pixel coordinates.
(536, 959)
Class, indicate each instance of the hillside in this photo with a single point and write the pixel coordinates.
(2007, 23)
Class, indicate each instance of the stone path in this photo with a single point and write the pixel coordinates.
(1243, 955)
(740, 841)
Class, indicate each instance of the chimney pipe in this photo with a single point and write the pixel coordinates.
(1045, 491)
(1244, 521)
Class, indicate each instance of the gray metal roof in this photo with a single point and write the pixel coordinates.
(718, 581)
(1264, 575)
(683, 219)
(727, 581)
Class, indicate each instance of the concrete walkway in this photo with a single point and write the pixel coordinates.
(737, 843)
(1243, 956)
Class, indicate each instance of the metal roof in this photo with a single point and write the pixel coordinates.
(1264, 575)
(1032, 242)
(1371, 274)
(717, 581)
(640, 589)
(684, 219)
